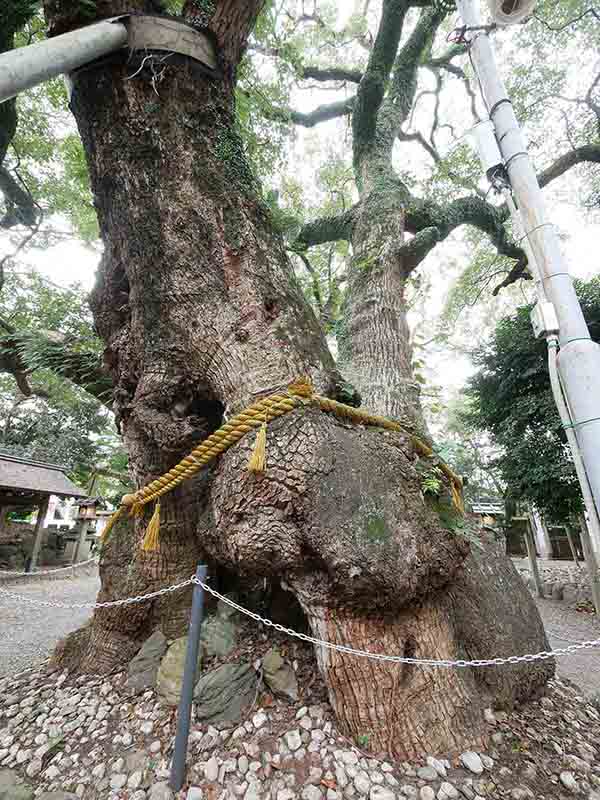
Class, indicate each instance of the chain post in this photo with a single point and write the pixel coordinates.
(184, 711)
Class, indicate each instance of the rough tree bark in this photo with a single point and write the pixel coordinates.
(200, 313)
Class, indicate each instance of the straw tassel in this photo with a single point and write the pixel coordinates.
(457, 498)
(258, 459)
(110, 524)
(151, 539)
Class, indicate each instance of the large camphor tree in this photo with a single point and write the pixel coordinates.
(200, 314)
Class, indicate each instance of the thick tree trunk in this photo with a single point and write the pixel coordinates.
(375, 350)
(201, 316)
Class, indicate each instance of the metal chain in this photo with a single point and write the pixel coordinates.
(142, 598)
(427, 662)
(50, 571)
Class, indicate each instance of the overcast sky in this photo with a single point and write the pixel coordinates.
(70, 261)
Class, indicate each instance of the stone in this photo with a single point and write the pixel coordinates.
(147, 727)
(293, 739)
(242, 765)
(223, 694)
(160, 791)
(521, 793)
(194, 793)
(156, 746)
(279, 676)
(57, 796)
(211, 769)
(259, 719)
(447, 792)
(568, 781)
(472, 762)
(427, 773)
(135, 780)
(497, 738)
(118, 781)
(437, 765)
(170, 671)
(219, 633)
(143, 668)
(426, 793)
(285, 794)
(12, 787)
(311, 793)
(381, 793)
(99, 771)
(558, 591)
(362, 784)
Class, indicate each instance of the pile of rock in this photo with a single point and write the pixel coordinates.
(96, 739)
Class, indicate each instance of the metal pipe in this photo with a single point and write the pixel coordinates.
(557, 391)
(565, 418)
(579, 361)
(29, 66)
(184, 711)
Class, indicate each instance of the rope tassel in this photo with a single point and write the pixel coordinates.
(110, 524)
(151, 542)
(258, 459)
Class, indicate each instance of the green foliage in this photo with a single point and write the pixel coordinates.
(431, 481)
(510, 397)
(59, 422)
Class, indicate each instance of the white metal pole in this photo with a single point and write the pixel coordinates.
(26, 67)
(555, 383)
(579, 358)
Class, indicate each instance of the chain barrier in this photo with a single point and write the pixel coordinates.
(36, 574)
(141, 598)
(425, 662)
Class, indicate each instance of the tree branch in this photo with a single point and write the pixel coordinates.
(371, 89)
(587, 152)
(403, 88)
(21, 210)
(309, 119)
(326, 229)
(331, 74)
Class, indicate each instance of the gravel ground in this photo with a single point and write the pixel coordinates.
(29, 633)
(566, 626)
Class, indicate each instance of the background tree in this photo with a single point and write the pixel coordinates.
(200, 314)
(510, 397)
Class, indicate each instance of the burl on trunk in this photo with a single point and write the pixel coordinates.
(198, 307)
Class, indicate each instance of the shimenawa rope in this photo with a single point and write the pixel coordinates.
(258, 415)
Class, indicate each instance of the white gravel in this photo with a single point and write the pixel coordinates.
(28, 633)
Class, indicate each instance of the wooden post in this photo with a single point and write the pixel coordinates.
(572, 545)
(530, 544)
(37, 535)
(591, 563)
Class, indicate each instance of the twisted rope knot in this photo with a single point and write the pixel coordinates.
(258, 415)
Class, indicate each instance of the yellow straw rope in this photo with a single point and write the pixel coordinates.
(257, 416)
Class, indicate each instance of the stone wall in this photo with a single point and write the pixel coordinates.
(561, 580)
(16, 545)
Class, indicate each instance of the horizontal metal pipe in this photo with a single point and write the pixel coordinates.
(29, 66)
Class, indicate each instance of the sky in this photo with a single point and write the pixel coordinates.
(70, 261)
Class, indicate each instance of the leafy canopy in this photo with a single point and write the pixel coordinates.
(510, 397)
